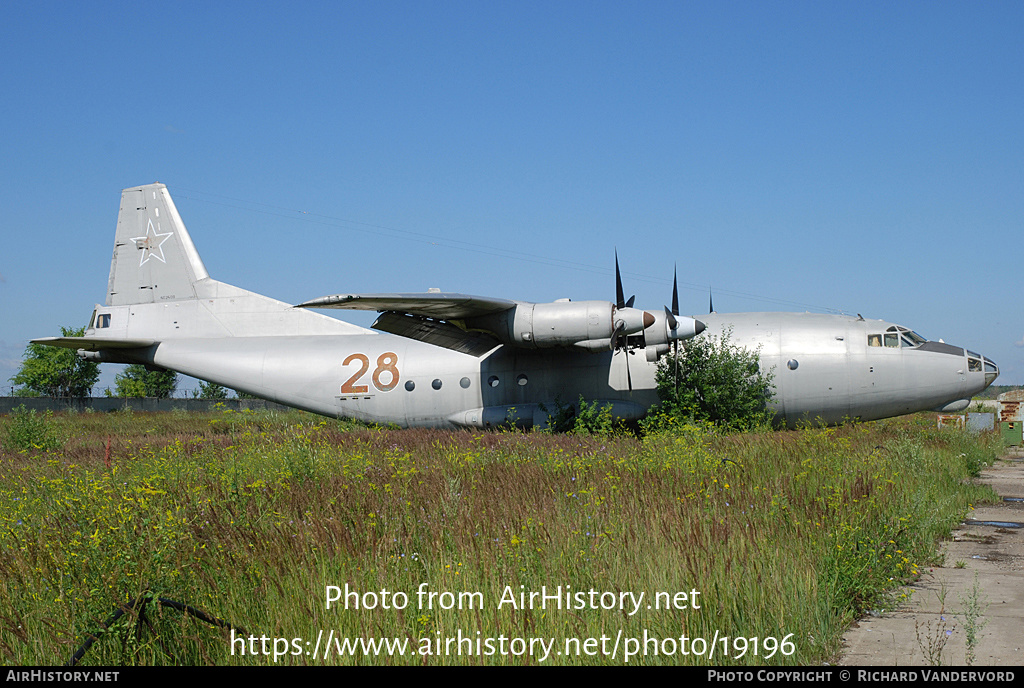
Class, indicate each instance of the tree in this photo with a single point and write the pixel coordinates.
(711, 379)
(211, 390)
(138, 381)
(51, 371)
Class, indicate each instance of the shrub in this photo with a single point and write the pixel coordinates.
(711, 379)
(27, 430)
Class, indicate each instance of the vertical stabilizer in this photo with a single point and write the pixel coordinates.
(154, 259)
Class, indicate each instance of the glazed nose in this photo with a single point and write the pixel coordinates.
(991, 370)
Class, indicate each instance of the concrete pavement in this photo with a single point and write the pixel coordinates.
(932, 625)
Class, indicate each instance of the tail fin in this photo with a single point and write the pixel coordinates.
(155, 264)
(154, 258)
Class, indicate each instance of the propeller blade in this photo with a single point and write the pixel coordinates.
(613, 342)
(675, 359)
(671, 318)
(711, 302)
(675, 294)
(629, 378)
(620, 298)
(620, 331)
(630, 300)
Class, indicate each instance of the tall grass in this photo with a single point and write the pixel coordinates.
(251, 516)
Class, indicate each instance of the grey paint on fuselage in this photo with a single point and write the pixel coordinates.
(163, 309)
(838, 376)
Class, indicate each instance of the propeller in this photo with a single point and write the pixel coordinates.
(670, 316)
(620, 301)
(619, 337)
(675, 294)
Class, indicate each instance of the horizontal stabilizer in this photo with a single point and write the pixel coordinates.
(94, 343)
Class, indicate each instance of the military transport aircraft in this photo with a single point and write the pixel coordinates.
(443, 359)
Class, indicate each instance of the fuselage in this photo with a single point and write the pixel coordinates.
(824, 368)
(828, 368)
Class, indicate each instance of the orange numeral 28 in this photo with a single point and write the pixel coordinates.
(387, 366)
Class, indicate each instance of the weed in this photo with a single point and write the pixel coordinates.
(933, 643)
(974, 607)
(28, 430)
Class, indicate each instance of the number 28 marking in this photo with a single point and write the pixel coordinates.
(387, 367)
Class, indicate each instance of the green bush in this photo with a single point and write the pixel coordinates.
(592, 418)
(138, 381)
(27, 430)
(50, 371)
(712, 380)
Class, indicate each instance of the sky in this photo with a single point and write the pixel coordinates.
(787, 156)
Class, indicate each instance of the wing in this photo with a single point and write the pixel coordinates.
(589, 325)
(426, 317)
(439, 305)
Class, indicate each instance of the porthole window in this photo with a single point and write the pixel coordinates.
(792, 364)
(493, 381)
(436, 384)
(464, 383)
(410, 385)
(521, 380)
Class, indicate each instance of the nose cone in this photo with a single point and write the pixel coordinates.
(981, 372)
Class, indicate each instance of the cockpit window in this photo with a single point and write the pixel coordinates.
(103, 320)
(914, 337)
(974, 364)
(896, 337)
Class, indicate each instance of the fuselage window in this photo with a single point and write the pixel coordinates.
(410, 385)
(874, 340)
(436, 384)
(493, 381)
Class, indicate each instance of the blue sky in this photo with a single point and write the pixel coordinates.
(861, 157)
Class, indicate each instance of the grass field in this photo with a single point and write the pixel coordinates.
(778, 539)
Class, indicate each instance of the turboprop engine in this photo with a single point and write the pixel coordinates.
(592, 325)
(667, 329)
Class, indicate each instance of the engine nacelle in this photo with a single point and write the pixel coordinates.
(659, 336)
(563, 323)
